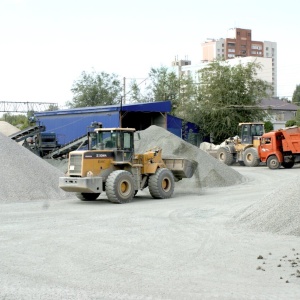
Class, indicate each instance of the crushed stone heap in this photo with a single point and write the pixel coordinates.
(209, 173)
(24, 176)
(8, 129)
(278, 212)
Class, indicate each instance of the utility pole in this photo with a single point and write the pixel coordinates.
(124, 89)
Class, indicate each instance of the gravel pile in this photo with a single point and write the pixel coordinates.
(209, 173)
(278, 212)
(24, 176)
(7, 129)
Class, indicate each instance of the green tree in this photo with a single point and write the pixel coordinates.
(269, 126)
(96, 89)
(290, 123)
(228, 95)
(296, 95)
(164, 85)
(20, 121)
(295, 121)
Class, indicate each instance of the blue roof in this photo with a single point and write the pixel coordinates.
(161, 106)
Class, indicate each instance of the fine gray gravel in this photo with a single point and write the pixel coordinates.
(209, 173)
(187, 247)
(217, 238)
(277, 212)
(24, 176)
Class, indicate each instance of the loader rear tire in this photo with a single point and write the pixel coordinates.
(87, 196)
(273, 162)
(251, 158)
(161, 184)
(119, 187)
(224, 156)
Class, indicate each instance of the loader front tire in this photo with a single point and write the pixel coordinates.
(161, 184)
(224, 156)
(87, 196)
(119, 187)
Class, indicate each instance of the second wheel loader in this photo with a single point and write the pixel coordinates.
(242, 149)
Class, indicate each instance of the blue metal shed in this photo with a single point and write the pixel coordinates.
(69, 124)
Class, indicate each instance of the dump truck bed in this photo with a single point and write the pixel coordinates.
(291, 141)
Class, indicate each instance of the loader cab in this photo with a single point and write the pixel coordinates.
(250, 133)
(117, 140)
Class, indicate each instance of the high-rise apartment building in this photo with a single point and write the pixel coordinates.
(239, 44)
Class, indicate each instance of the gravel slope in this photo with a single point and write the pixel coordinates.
(24, 176)
(209, 173)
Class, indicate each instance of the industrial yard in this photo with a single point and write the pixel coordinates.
(227, 233)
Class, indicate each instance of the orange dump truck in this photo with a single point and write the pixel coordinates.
(280, 147)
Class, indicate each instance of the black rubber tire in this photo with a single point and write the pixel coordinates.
(119, 187)
(251, 158)
(288, 165)
(224, 156)
(87, 196)
(273, 162)
(161, 184)
(241, 163)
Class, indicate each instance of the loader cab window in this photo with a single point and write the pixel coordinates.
(92, 140)
(245, 134)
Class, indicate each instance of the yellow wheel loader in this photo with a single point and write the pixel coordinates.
(110, 165)
(241, 149)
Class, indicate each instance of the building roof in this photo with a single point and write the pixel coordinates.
(277, 104)
(160, 106)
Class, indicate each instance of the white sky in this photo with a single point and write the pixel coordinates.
(46, 44)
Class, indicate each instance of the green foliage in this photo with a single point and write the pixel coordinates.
(96, 89)
(268, 126)
(294, 122)
(228, 95)
(296, 95)
(164, 85)
(290, 123)
(19, 121)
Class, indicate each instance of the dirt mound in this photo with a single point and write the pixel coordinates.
(209, 173)
(24, 176)
(7, 129)
(278, 212)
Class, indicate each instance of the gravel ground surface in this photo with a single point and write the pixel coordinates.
(187, 247)
(217, 238)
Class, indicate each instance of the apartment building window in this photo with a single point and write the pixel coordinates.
(231, 50)
(231, 55)
(231, 44)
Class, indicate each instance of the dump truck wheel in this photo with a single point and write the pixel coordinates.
(119, 187)
(87, 196)
(288, 165)
(251, 158)
(224, 156)
(161, 184)
(273, 162)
